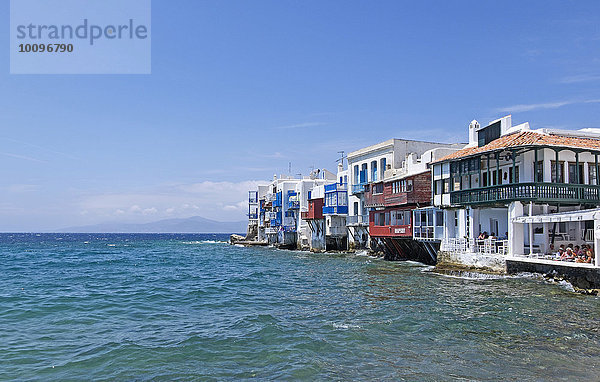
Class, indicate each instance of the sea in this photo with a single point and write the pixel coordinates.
(145, 307)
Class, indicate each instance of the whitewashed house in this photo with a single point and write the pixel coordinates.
(513, 183)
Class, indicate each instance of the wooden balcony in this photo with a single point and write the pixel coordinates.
(374, 200)
(529, 192)
(315, 210)
(390, 230)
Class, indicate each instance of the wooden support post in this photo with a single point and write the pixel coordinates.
(498, 176)
(480, 181)
(514, 167)
(557, 169)
(577, 174)
(489, 180)
(597, 177)
(535, 165)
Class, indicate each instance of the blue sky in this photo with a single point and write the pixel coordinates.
(241, 88)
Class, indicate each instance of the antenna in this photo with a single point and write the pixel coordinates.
(342, 157)
(290, 168)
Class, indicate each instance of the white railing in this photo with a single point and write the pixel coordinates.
(357, 219)
(337, 230)
(271, 230)
(485, 247)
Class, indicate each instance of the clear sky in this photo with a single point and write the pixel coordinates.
(241, 88)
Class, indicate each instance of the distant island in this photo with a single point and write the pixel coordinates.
(195, 224)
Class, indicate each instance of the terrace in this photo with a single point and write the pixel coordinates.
(577, 235)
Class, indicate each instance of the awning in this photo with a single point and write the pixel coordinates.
(560, 217)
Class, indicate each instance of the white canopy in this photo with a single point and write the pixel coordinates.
(571, 216)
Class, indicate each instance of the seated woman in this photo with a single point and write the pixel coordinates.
(569, 255)
(560, 253)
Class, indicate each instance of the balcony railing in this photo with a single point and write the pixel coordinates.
(336, 187)
(391, 230)
(543, 192)
(358, 188)
(337, 231)
(374, 200)
(289, 228)
(335, 210)
(484, 247)
(271, 230)
(253, 216)
(357, 220)
(293, 205)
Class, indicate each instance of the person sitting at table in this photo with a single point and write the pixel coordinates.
(493, 236)
(584, 256)
(577, 250)
(561, 251)
(481, 236)
(569, 255)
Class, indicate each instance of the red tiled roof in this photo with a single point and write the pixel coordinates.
(526, 138)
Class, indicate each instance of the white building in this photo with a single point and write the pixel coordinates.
(279, 204)
(506, 173)
(369, 165)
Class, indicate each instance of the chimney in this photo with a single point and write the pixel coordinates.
(473, 133)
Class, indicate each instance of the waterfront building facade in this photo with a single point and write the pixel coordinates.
(369, 166)
(483, 193)
(280, 204)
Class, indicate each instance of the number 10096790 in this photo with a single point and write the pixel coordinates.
(45, 48)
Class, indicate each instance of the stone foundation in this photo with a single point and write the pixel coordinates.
(475, 261)
(583, 279)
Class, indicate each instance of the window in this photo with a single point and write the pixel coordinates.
(456, 183)
(373, 171)
(574, 175)
(561, 172)
(378, 188)
(400, 218)
(356, 208)
(510, 175)
(446, 186)
(382, 166)
(356, 174)
(592, 173)
(342, 199)
(439, 218)
(538, 172)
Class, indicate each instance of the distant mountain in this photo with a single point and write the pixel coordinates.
(194, 224)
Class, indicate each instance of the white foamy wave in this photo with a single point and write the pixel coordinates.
(196, 242)
(468, 275)
(428, 268)
(239, 246)
(345, 326)
(361, 253)
(566, 285)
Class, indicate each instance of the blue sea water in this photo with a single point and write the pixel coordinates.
(191, 307)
